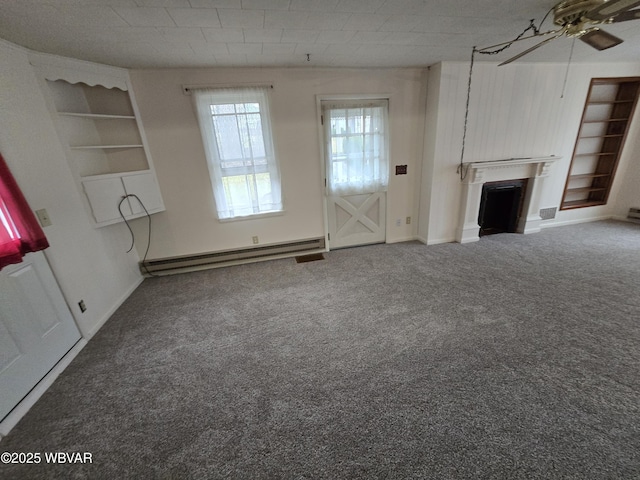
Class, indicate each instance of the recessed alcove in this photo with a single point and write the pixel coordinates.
(477, 174)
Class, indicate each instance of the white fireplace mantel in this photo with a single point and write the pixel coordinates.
(478, 173)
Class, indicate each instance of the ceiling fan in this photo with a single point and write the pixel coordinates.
(581, 19)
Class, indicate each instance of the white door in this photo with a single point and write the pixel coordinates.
(357, 171)
(356, 219)
(36, 328)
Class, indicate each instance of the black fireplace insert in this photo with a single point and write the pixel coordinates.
(501, 206)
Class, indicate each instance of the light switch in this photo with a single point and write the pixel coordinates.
(43, 217)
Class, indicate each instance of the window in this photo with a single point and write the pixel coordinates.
(236, 132)
(357, 146)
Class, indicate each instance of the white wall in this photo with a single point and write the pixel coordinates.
(628, 174)
(427, 206)
(89, 264)
(189, 224)
(517, 110)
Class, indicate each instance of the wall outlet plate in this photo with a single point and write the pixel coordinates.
(43, 217)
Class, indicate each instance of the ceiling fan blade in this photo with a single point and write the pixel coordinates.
(600, 40)
(628, 15)
(521, 39)
(611, 8)
(529, 50)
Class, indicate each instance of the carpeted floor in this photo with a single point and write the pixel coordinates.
(514, 357)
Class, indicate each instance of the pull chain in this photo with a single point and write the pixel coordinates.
(461, 170)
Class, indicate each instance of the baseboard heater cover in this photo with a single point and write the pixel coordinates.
(201, 261)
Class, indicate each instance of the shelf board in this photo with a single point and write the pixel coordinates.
(101, 176)
(586, 176)
(595, 154)
(580, 203)
(585, 190)
(609, 102)
(603, 136)
(102, 147)
(97, 116)
(607, 120)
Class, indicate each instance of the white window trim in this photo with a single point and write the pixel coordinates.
(254, 216)
(224, 211)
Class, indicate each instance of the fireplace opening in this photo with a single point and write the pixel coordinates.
(501, 206)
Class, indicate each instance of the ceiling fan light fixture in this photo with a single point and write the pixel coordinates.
(599, 39)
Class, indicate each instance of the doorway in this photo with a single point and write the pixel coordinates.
(356, 155)
(36, 328)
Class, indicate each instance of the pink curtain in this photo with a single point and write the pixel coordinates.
(20, 232)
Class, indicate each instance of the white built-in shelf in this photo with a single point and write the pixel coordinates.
(106, 149)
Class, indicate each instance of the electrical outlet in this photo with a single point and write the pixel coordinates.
(43, 217)
(83, 307)
(398, 222)
(255, 240)
(408, 221)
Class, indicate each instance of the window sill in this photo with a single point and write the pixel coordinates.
(254, 216)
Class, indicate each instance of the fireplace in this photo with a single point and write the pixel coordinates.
(501, 206)
(530, 171)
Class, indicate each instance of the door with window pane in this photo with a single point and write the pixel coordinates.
(357, 171)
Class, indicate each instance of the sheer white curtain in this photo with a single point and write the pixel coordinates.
(236, 132)
(357, 146)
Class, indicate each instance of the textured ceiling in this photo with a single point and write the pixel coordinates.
(335, 33)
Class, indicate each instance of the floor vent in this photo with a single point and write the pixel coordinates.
(548, 213)
(634, 215)
(190, 263)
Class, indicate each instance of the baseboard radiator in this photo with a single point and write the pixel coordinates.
(634, 215)
(202, 261)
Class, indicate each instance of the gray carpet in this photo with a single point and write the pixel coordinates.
(514, 357)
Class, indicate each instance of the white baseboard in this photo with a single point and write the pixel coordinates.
(626, 219)
(438, 241)
(403, 239)
(421, 239)
(575, 221)
(112, 310)
(34, 395)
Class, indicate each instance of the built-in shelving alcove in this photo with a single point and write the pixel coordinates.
(605, 123)
(98, 123)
